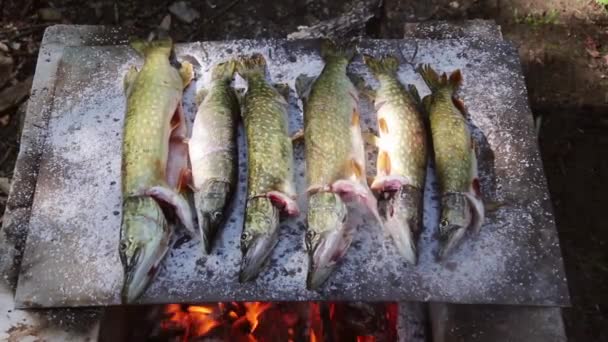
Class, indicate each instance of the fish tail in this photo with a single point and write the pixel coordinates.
(388, 65)
(249, 65)
(165, 46)
(331, 50)
(224, 70)
(435, 81)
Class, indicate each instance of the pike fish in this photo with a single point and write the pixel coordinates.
(212, 148)
(335, 164)
(402, 156)
(270, 183)
(455, 160)
(154, 164)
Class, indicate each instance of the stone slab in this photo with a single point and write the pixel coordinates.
(71, 255)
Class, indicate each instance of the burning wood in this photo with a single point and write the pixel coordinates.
(288, 321)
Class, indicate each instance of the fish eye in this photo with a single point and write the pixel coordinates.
(123, 246)
(245, 236)
(310, 235)
(444, 223)
(217, 215)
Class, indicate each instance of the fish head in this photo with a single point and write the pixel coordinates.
(260, 235)
(401, 213)
(144, 241)
(210, 203)
(456, 216)
(328, 236)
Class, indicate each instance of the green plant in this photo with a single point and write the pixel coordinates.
(537, 19)
(602, 2)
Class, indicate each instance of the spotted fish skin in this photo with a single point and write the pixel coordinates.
(335, 164)
(270, 179)
(213, 151)
(455, 160)
(402, 156)
(153, 163)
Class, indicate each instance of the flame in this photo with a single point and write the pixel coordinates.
(254, 310)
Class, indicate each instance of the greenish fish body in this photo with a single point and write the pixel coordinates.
(335, 164)
(402, 156)
(455, 160)
(154, 159)
(213, 152)
(270, 182)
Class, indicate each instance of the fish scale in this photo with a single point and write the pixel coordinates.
(402, 156)
(335, 164)
(270, 182)
(154, 160)
(212, 149)
(462, 207)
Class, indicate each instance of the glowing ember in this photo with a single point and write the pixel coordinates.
(269, 322)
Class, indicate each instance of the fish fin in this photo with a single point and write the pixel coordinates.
(384, 162)
(355, 118)
(390, 183)
(430, 77)
(330, 49)
(459, 104)
(249, 65)
(297, 136)
(178, 202)
(356, 169)
(129, 79)
(413, 91)
(303, 86)
(200, 96)
(143, 47)
(361, 87)
(350, 190)
(186, 72)
(387, 65)
(455, 79)
(370, 138)
(224, 70)
(382, 126)
(184, 180)
(478, 212)
(426, 103)
(284, 202)
(282, 89)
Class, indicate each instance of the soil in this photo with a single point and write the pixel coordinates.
(564, 62)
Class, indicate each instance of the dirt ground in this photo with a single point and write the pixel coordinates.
(564, 50)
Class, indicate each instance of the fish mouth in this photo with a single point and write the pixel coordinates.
(329, 250)
(210, 203)
(145, 238)
(450, 240)
(256, 255)
(401, 217)
(141, 270)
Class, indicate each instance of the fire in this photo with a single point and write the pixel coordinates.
(268, 322)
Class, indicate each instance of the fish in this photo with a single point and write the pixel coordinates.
(335, 163)
(154, 164)
(455, 157)
(213, 152)
(271, 189)
(402, 156)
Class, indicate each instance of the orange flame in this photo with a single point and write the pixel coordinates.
(254, 310)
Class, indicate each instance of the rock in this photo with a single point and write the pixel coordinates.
(3, 47)
(13, 95)
(49, 14)
(183, 12)
(5, 185)
(6, 69)
(15, 46)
